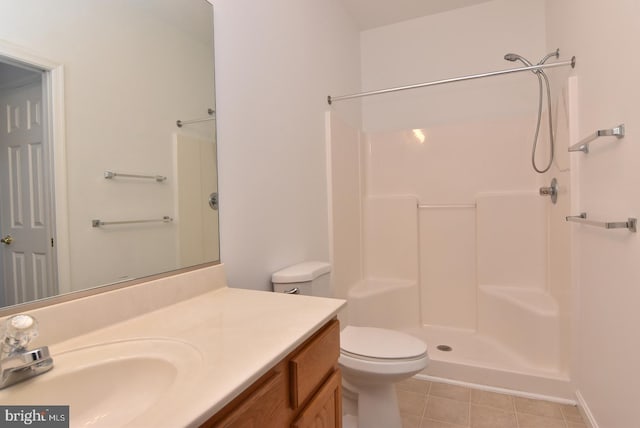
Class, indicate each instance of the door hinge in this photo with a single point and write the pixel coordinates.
(51, 242)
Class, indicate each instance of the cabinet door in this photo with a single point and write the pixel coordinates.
(325, 408)
(313, 363)
(265, 407)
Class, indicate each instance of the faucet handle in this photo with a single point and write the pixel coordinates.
(19, 330)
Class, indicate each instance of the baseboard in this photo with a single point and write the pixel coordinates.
(513, 392)
(586, 412)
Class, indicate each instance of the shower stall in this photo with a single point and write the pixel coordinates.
(442, 231)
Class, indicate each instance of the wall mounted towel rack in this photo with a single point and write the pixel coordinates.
(582, 219)
(111, 174)
(583, 145)
(210, 112)
(445, 206)
(99, 223)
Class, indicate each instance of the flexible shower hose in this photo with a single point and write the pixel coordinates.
(535, 138)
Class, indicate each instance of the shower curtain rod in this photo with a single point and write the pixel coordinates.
(571, 62)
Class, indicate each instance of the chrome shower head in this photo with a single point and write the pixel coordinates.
(516, 57)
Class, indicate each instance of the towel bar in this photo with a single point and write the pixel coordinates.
(98, 223)
(583, 145)
(111, 174)
(582, 219)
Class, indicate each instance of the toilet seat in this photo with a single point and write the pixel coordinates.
(369, 367)
(380, 351)
(380, 344)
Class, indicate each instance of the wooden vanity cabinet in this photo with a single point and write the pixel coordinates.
(301, 391)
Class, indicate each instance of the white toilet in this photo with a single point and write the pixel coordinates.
(371, 359)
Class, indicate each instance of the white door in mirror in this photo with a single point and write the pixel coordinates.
(24, 205)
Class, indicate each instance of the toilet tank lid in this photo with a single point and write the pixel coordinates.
(302, 272)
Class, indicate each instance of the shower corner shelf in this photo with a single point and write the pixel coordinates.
(583, 145)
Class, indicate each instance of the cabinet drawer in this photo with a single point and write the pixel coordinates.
(325, 408)
(314, 363)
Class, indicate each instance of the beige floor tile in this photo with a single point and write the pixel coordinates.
(572, 424)
(538, 408)
(492, 399)
(489, 417)
(526, 420)
(453, 392)
(446, 410)
(411, 421)
(411, 403)
(571, 413)
(430, 423)
(414, 385)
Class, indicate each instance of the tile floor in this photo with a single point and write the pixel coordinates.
(425, 404)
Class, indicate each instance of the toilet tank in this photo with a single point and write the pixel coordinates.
(307, 278)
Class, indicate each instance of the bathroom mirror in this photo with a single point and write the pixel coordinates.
(100, 185)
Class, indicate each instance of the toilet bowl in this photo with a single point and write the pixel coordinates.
(372, 360)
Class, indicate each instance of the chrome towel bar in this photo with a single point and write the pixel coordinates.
(111, 174)
(582, 219)
(99, 223)
(210, 112)
(583, 145)
(445, 206)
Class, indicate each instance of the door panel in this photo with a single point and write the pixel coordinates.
(24, 203)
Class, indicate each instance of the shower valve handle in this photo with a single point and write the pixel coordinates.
(551, 191)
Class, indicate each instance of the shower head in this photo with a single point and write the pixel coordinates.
(526, 62)
(516, 57)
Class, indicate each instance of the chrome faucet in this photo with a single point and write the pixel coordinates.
(16, 362)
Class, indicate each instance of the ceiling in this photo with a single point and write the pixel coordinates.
(376, 13)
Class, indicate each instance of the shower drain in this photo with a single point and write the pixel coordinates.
(445, 348)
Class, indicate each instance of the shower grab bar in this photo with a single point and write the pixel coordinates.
(583, 145)
(582, 219)
(445, 206)
(571, 62)
(111, 174)
(99, 223)
(210, 112)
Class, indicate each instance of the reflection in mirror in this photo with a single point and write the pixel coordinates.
(98, 183)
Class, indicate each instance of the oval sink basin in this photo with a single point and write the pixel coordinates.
(111, 384)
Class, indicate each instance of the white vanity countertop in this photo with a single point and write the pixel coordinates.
(238, 334)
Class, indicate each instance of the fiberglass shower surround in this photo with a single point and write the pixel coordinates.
(537, 69)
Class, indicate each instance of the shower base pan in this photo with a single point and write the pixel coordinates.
(466, 357)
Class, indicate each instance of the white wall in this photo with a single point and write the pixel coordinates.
(604, 37)
(276, 62)
(456, 43)
(120, 115)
